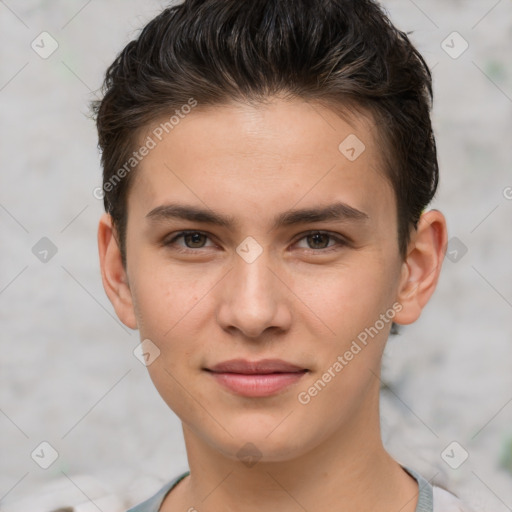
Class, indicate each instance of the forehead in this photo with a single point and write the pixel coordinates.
(271, 155)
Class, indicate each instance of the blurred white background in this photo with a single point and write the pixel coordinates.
(68, 373)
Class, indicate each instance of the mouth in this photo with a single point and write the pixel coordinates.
(256, 378)
(261, 367)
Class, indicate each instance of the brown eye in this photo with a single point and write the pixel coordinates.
(319, 241)
(192, 240)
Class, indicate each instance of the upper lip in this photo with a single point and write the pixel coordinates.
(255, 367)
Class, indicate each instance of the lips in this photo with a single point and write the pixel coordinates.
(261, 367)
(254, 379)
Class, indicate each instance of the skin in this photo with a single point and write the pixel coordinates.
(304, 300)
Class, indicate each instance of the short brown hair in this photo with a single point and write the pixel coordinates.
(339, 52)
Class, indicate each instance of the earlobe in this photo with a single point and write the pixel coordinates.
(113, 274)
(422, 266)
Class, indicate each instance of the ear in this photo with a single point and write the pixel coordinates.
(113, 274)
(422, 266)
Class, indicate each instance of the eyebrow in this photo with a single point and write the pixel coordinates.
(333, 212)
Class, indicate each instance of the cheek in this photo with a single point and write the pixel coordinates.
(348, 299)
(170, 306)
(165, 297)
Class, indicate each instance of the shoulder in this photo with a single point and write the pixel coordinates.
(445, 501)
(153, 504)
(432, 498)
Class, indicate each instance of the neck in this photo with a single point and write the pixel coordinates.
(349, 467)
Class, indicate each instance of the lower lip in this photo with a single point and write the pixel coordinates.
(258, 384)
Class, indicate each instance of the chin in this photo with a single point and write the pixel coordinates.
(253, 442)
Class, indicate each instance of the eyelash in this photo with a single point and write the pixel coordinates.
(340, 242)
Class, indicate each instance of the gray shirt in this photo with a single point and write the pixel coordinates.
(430, 498)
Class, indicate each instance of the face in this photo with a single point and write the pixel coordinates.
(294, 257)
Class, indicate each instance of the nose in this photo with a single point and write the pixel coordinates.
(254, 299)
